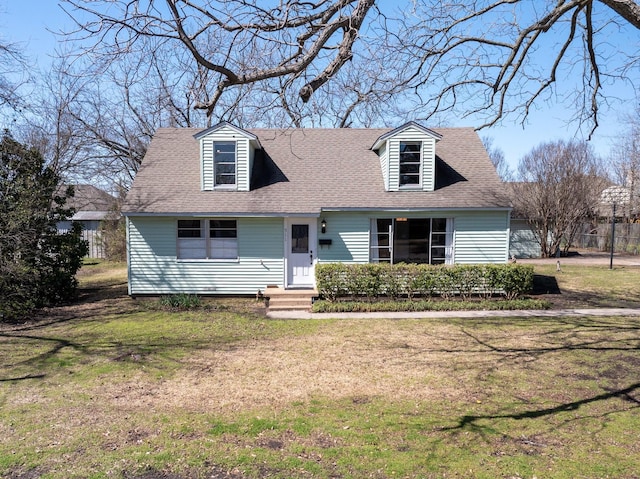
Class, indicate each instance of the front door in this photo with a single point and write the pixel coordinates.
(301, 252)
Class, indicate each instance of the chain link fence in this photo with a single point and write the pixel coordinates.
(598, 238)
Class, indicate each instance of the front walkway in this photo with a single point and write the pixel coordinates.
(543, 313)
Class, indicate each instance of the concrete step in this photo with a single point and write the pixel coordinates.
(289, 306)
(290, 299)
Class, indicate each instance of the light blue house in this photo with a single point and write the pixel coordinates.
(232, 211)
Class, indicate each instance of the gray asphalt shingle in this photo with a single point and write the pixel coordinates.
(315, 169)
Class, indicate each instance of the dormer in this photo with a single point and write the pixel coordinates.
(408, 158)
(226, 157)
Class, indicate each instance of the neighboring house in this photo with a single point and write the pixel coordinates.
(523, 242)
(230, 211)
(92, 205)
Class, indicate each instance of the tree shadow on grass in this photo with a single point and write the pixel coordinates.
(626, 394)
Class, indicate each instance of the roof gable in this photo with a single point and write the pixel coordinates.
(226, 125)
(400, 129)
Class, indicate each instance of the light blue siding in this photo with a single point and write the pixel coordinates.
(154, 268)
(349, 234)
(523, 243)
(481, 237)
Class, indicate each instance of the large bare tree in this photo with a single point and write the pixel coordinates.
(486, 58)
(559, 186)
(13, 72)
(625, 163)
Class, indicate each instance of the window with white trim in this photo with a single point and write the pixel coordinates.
(223, 239)
(207, 239)
(224, 164)
(411, 240)
(410, 163)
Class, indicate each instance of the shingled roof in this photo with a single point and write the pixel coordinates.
(306, 171)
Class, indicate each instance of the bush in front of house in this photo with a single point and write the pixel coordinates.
(373, 280)
(324, 306)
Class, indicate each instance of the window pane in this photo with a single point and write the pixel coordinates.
(409, 180)
(223, 229)
(406, 147)
(224, 248)
(299, 238)
(189, 248)
(410, 168)
(227, 224)
(225, 179)
(189, 229)
(438, 239)
(439, 225)
(228, 168)
(188, 223)
(225, 149)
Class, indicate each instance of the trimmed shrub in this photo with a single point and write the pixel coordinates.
(372, 280)
(322, 306)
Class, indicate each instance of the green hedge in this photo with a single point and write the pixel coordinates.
(372, 280)
(322, 306)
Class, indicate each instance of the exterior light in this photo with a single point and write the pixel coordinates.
(323, 225)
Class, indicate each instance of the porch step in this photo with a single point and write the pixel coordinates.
(280, 299)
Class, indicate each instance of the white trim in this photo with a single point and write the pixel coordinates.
(128, 253)
(313, 249)
(226, 186)
(410, 124)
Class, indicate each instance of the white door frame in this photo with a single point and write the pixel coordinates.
(295, 262)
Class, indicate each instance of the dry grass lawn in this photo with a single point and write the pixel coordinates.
(116, 388)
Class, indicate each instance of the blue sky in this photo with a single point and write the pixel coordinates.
(27, 22)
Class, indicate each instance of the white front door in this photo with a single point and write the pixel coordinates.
(300, 244)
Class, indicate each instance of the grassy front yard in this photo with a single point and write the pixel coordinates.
(116, 388)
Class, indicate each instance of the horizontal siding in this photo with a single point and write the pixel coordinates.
(384, 165)
(394, 164)
(523, 243)
(481, 237)
(428, 164)
(242, 168)
(207, 164)
(349, 234)
(154, 268)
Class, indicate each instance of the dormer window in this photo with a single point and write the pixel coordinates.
(224, 163)
(410, 163)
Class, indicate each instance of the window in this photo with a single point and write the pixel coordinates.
(223, 239)
(219, 241)
(410, 162)
(191, 243)
(300, 238)
(224, 163)
(411, 240)
(380, 249)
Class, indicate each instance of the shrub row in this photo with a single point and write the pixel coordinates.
(322, 306)
(372, 280)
